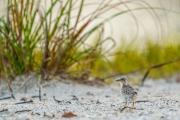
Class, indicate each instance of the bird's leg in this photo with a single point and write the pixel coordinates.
(126, 103)
(133, 102)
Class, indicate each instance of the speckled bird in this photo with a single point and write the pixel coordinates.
(128, 92)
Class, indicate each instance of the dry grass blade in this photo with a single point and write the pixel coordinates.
(157, 66)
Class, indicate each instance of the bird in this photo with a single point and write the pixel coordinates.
(128, 92)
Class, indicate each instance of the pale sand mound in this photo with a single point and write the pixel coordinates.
(162, 102)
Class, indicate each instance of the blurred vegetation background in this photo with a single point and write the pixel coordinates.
(63, 38)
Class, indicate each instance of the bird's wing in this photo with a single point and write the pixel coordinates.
(131, 90)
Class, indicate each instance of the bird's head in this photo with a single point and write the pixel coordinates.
(123, 80)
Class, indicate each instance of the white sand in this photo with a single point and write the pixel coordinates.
(93, 103)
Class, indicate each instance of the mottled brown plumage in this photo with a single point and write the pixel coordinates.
(128, 92)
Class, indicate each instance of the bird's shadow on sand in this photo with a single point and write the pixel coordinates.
(129, 108)
(133, 108)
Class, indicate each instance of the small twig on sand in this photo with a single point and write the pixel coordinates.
(132, 108)
(20, 111)
(35, 113)
(3, 110)
(122, 109)
(5, 98)
(24, 102)
(143, 101)
(35, 96)
(58, 101)
(139, 101)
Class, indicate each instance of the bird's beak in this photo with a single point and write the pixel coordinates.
(118, 80)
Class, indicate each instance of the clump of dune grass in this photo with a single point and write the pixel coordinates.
(52, 39)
